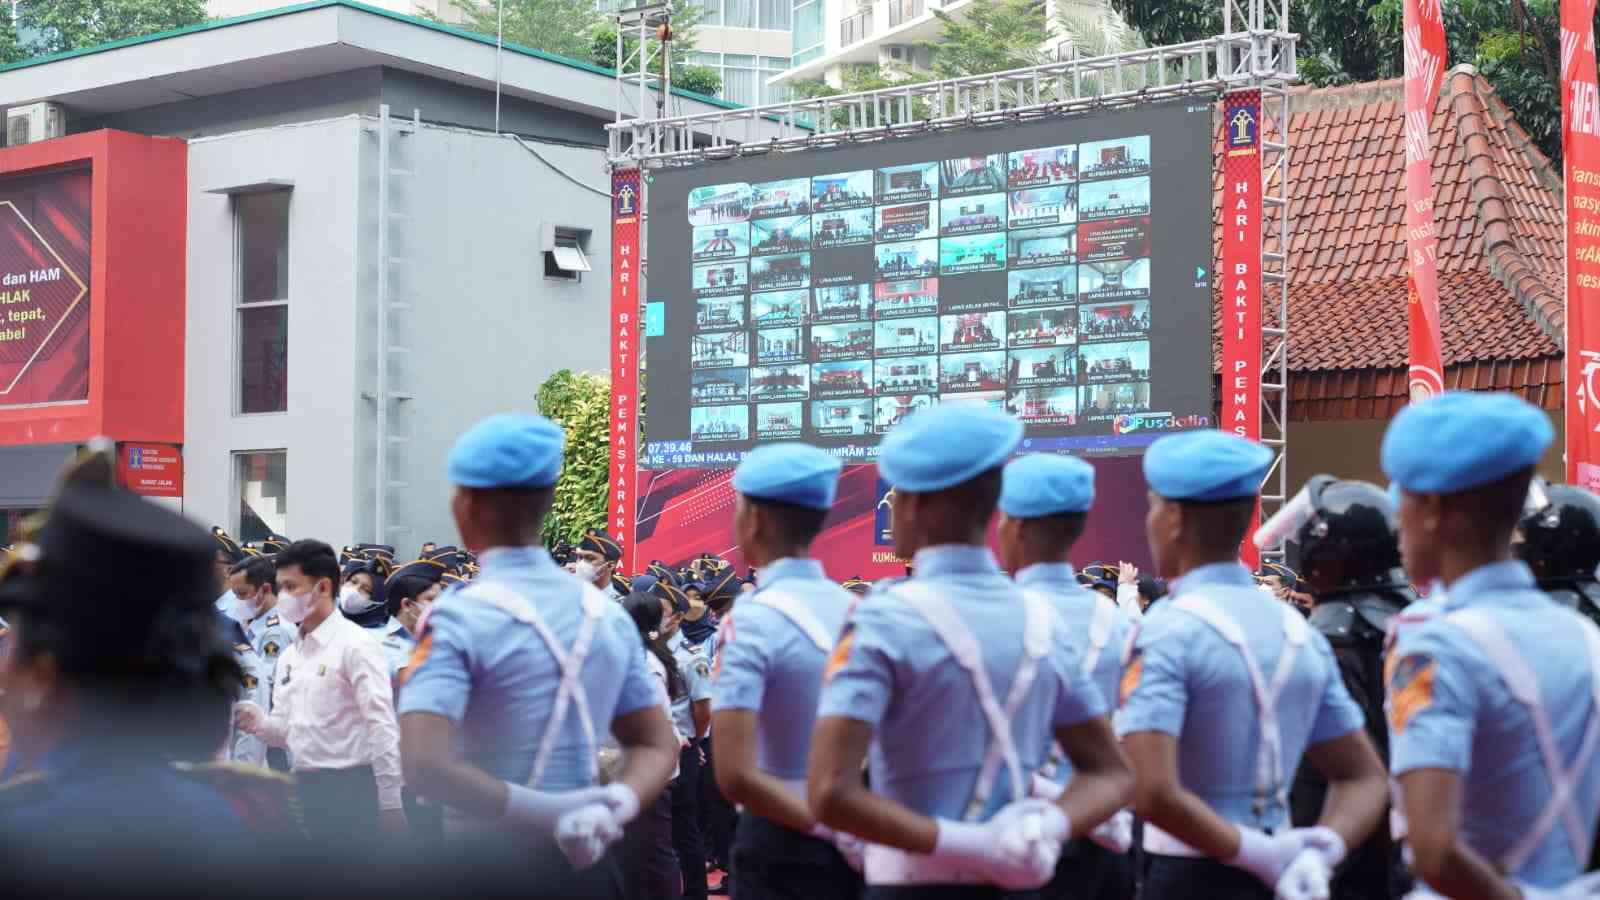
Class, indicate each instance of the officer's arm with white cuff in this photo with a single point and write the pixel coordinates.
(434, 701)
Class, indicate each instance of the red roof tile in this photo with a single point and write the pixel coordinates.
(1501, 244)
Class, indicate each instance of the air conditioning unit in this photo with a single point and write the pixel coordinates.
(35, 122)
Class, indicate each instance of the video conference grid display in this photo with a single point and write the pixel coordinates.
(1032, 269)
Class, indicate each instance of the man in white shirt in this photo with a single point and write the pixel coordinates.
(333, 707)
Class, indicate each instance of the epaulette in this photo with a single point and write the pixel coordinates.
(26, 789)
(242, 648)
(272, 621)
(260, 796)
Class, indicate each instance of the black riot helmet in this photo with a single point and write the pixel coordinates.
(1561, 535)
(1345, 530)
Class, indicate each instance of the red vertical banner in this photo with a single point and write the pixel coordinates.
(1580, 148)
(1240, 275)
(1424, 67)
(625, 281)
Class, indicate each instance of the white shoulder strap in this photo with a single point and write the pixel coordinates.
(963, 645)
(1271, 775)
(1105, 616)
(797, 612)
(570, 690)
(1523, 683)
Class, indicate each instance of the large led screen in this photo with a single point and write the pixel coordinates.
(1057, 270)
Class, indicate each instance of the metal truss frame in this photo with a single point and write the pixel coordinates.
(1255, 52)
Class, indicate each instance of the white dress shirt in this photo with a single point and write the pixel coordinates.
(333, 707)
(1128, 600)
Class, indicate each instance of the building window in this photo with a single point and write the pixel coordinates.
(807, 31)
(261, 482)
(713, 10)
(775, 14)
(261, 228)
(565, 256)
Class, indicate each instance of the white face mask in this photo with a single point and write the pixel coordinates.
(354, 603)
(244, 609)
(586, 571)
(295, 607)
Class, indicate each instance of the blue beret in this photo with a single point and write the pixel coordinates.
(789, 473)
(942, 446)
(1043, 484)
(1205, 465)
(510, 450)
(1461, 440)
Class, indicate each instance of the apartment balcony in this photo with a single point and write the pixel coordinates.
(858, 37)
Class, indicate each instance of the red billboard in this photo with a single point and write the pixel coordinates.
(44, 288)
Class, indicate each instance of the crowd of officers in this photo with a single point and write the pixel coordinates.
(990, 726)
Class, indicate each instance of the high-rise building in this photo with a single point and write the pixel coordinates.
(748, 42)
(894, 35)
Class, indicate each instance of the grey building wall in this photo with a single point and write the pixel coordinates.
(482, 325)
(359, 91)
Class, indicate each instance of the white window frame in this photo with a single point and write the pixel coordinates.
(236, 370)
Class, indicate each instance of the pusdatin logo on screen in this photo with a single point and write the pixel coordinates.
(1156, 421)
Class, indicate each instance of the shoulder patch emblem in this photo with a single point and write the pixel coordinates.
(841, 652)
(250, 682)
(702, 668)
(269, 649)
(1132, 671)
(1411, 681)
(419, 655)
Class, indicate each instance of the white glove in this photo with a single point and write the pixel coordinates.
(584, 834)
(624, 803)
(1306, 878)
(852, 848)
(1266, 856)
(539, 811)
(1046, 788)
(1326, 841)
(1016, 850)
(1116, 833)
(249, 717)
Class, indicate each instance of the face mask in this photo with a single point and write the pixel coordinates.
(244, 609)
(295, 607)
(354, 603)
(586, 571)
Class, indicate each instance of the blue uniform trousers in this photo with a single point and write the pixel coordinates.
(771, 862)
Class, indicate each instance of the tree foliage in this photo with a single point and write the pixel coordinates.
(61, 25)
(562, 27)
(686, 17)
(1515, 44)
(990, 36)
(581, 404)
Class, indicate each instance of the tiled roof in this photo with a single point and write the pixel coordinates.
(1499, 215)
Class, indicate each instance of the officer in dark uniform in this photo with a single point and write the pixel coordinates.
(116, 672)
(1350, 561)
(1560, 542)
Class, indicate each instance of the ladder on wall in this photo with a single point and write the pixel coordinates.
(397, 289)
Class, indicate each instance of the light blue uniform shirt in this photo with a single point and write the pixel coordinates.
(495, 679)
(695, 667)
(891, 670)
(397, 645)
(269, 635)
(769, 665)
(1185, 680)
(1076, 606)
(246, 747)
(1469, 723)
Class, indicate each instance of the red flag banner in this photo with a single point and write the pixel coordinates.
(1424, 67)
(625, 280)
(1240, 275)
(1580, 148)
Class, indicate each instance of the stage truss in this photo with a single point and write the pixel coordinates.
(1255, 52)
